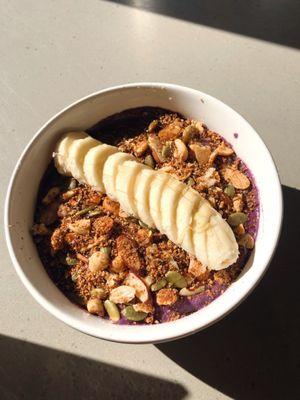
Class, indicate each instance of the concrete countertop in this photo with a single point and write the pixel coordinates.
(54, 52)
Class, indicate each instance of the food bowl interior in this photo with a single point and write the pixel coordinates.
(85, 113)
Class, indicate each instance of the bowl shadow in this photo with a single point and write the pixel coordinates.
(254, 352)
(30, 371)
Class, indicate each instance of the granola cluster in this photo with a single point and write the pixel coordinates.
(114, 265)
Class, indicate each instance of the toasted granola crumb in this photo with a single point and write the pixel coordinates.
(166, 297)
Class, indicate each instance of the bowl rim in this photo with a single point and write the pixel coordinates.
(171, 334)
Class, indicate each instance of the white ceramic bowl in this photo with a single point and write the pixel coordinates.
(23, 187)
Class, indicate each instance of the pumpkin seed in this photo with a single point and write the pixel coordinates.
(99, 293)
(74, 277)
(191, 182)
(82, 212)
(153, 125)
(105, 250)
(132, 315)
(71, 261)
(112, 310)
(149, 161)
(166, 150)
(94, 213)
(187, 292)
(229, 190)
(189, 132)
(176, 279)
(161, 283)
(237, 218)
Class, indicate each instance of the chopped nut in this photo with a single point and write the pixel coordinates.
(166, 297)
(122, 294)
(239, 180)
(189, 132)
(95, 306)
(57, 239)
(239, 230)
(140, 288)
(144, 307)
(223, 150)
(153, 125)
(170, 132)
(156, 148)
(197, 269)
(67, 195)
(128, 252)
(103, 225)
(140, 148)
(181, 151)
(82, 258)
(237, 203)
(143, 236)
(111, 206)
(117, 264)
(199, 126)
(40, 229)
(247, 241)
(80, 227)
(49, 214)
(50, 196)
(112, 280)
(98, 261)
(202, 153)
(123, 214)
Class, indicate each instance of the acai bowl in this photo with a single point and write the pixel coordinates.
(184, 136)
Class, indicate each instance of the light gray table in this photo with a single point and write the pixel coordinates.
(54, 52)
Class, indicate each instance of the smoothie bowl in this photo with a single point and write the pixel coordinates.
(143, 213)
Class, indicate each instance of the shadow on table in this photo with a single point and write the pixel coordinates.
(271, 20)
(29, 371)
(254, 352)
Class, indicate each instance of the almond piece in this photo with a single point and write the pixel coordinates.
(128, 252)
(111, 206)
(224, 150)
(140, 148)
(80, 227)
(170, 132)
(122, 294)
(239, 180)
(140, 288)
(202, 153)
(197, 269)
(181, 151)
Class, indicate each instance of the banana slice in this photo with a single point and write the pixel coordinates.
(76, 155)
(184, 218)
(173, 191)
(156, 191)
(110, 172)
(61, 151)
(93, 165)
(144, 183)
(125, 180)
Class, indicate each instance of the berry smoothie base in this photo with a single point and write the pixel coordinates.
(130, 131)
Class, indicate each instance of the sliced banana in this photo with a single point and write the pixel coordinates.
(143, 183)
(186, 208)
(110, 172)
(94, 163)
(76, 155)
(155, 193)
(156, 198)
(172, 192)
(61, 151)
(125, 181)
